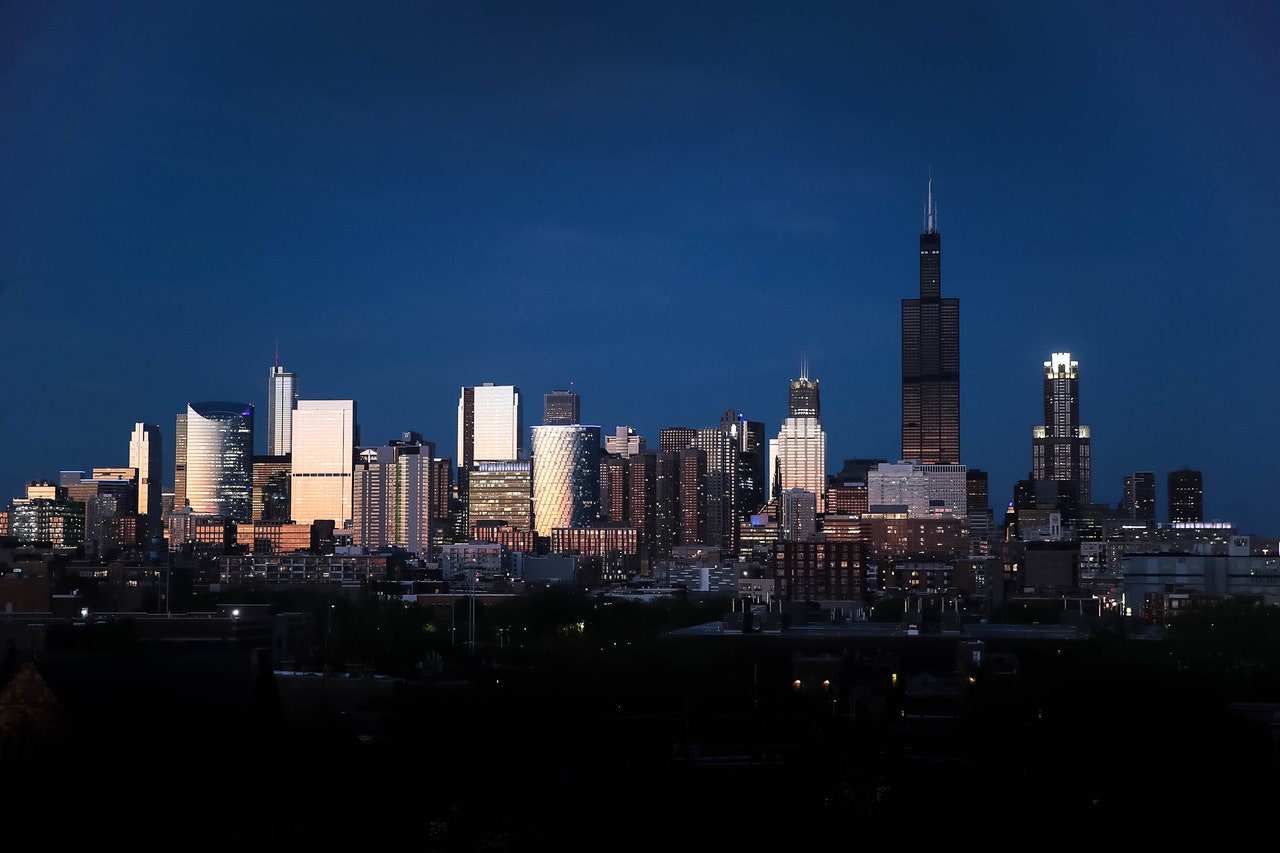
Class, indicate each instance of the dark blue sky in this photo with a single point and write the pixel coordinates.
(669, 205)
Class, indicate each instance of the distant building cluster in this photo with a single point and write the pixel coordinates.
(714, 506)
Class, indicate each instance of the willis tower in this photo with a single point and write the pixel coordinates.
(931, 359)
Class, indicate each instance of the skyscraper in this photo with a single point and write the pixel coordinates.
(218, 459)
(798, 456)
(1060, 448)
(1139, 501)
(490, 429)
(1186, 496)
(561, 407)
(931, 358)
(324, 437)
(391, 495)
(145, 456)
(282, 399)
(566, 476)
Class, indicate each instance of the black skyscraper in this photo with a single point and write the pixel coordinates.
(1186, 496)
(931, 359)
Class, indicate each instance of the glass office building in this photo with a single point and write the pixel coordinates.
(219, 459)
(566, 477)
(321, 461)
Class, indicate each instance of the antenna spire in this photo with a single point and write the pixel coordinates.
(930, 209)
(277, 352)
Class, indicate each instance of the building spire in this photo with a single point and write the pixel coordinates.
(930, 210)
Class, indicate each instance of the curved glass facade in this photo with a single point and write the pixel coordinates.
(566, 477)
(219, 459)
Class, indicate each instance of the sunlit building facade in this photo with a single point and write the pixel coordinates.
(491, 429)
(271, 488)
(324, 442)
(145, 456)
(566, 476)
(282, 399)
(798, 456)
(218, 451)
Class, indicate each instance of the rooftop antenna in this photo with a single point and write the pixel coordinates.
(930, 210)
(804, 368)
(277, 352)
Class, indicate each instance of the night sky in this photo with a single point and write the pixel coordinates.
(667, 207)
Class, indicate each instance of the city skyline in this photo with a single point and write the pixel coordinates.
(670, 212)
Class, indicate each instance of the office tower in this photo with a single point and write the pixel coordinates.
(47, 514)
(640, 482)
(566, 476)
(717, 476)
(923, 490)
(692, 497)
(798, 456)
(179, 466)
(502, 491)
(392, 495)
(217, 461)
(561, 407)
(1139, 501)
(490, 428)
(931, 358)
(748, 442)
(797, 515)
(282, 399)
(271, 487)
(624, 442)
(324, 441)
(1060, 447)
(108, 494)
(1186, 496)
(145, 456)
(666, 503)
(444, 504)
(978, 508)
(613, 487)
(802, 397)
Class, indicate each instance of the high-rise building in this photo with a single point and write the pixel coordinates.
(1186, 496)
(271, 488)
(1060, 447)
(217, 459)
(110, 493)
(145, 456)
(624, 442)
(797, 515)
(566, 476)
(710, 487)
(561, 407)
(798, 456)
(1139, 501)
(391, 496)
(179, 467)
(490, 428)
(931, 358)
(282, 399)
(749, 442)
(324, 440)
(803, 400)
(502, 491)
